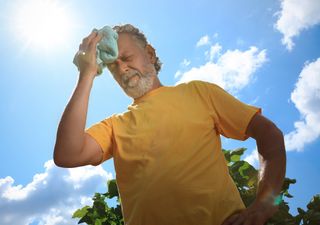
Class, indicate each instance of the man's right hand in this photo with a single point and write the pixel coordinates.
(86, 57)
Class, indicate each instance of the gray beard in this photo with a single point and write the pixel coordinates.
(143, 85)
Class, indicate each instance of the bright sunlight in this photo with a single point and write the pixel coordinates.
(43, 24)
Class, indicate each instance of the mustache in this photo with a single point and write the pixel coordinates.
(126, 76)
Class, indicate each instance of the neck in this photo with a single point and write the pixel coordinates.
(156, 83)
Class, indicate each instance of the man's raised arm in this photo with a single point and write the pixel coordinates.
(73, 146)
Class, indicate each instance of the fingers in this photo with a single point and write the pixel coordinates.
(230, 220)
(238, 220)
(89, 43)
(86, 57)
(95, 40)
(86, 40)
(242, 219)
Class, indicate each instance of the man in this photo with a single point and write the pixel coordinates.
(170, 169)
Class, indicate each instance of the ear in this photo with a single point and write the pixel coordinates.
(151, 53)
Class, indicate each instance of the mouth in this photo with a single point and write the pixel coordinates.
(132, 81)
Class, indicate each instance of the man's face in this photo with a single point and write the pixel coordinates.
(133, 70)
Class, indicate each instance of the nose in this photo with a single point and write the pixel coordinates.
(122, 66)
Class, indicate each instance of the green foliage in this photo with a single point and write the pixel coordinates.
(312, 215)
(100, 213)
(245, 177)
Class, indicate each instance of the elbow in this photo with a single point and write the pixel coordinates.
(61, 163)
(58, 159)
(274, 133)
(278, 131)
(271, 143)
(58, 163)
(62, 158)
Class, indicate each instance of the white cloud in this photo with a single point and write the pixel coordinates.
(306, 97)
(203, 41)
(214, 52)
(232, 70)
(51, 197)
(253, 158)
(295, 16)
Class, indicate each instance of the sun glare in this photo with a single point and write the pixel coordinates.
(42, 24)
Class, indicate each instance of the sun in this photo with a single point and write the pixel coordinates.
(44, 24)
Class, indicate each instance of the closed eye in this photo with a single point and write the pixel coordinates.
(126, 58)
(112, 66)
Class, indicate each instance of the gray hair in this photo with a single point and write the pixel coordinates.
(138, 35)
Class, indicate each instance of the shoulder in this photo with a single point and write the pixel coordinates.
(199, 85)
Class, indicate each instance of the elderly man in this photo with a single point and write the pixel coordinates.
(170, 169)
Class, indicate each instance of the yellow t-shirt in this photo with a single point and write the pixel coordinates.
(170, 169)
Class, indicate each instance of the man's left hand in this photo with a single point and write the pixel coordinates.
(256, 214)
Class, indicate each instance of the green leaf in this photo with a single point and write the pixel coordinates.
(245, 166)
(314, 203)
(239, 151)
(100, 208)
(315, 218)
(118, 211)
(97, 222)
(112, 189)
(235, 158)
(288, 195)
(227, 155)
(86, 219)
(301, 211)
(80, 212)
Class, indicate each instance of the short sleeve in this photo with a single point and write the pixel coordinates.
(231, 116)
(102, 133)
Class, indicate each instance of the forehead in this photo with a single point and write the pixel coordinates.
(126, 43)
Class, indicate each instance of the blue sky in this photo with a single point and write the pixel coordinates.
(266, 54)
